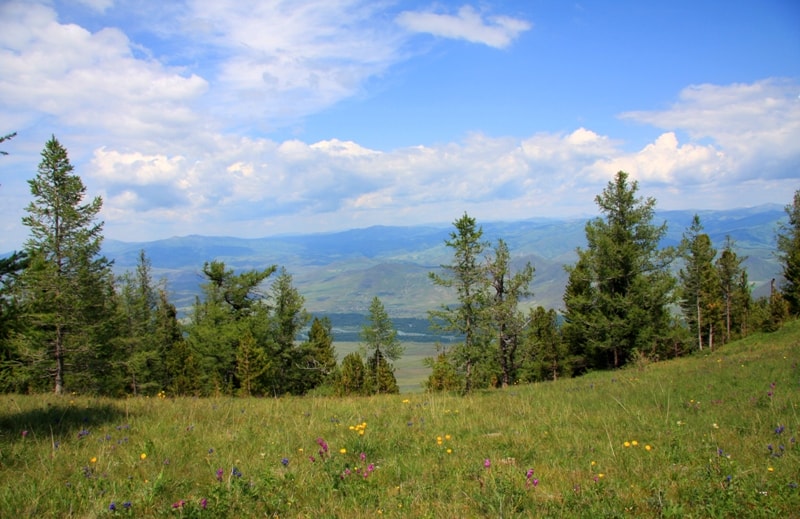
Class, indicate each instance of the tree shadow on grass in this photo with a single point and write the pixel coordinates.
(58, 421)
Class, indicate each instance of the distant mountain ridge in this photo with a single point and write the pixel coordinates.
(340, 272)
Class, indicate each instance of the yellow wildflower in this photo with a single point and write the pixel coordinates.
(142, 456)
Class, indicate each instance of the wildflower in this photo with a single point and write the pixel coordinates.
(770, 469)
(142, 456)
(127, 505)
(594, 463)
(25, 434)
(112, 506)
(211, 450)
(406, 401)
(715, 426)
(634, 443)
(312, 459)
(362, 456)
(647, 448)
(285, 462)
(449, 451)
(627, 444)
(93, 460)
(342, 451)
(438, 440)
(487, 463)
(203, 503)
(235, 472)
(779, 429)
(447, 437)
(220, 473)
(535, 482)
(178, 504)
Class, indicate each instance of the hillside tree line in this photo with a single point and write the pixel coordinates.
(67, 324)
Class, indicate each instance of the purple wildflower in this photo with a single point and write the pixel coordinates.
(487, 463)
(779, 429)
(203, 503)
(126, 505)
(112, 506)
(220, 472)
(285, 462)
(25, 434)
(178, 504)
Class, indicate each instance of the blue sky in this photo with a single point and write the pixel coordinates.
(222, 117)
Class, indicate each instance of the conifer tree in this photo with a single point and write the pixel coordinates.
(68, 288)
(730, 273)
(466, 275)
(789, 255)
(508, 289)
(620, 304)
(381, 345)
(700, 285)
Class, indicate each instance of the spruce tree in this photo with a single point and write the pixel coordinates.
(68, 288)
(380, 343)
(621, 302)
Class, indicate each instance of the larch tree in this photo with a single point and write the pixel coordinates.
(700, 286)
(789, 255)
(620, 303)
(730, 273)
(68, 287)
(466, 275)
(507, 290)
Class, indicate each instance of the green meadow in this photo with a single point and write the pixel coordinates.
(710, 435)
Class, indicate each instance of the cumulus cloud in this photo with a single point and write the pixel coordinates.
(87, 80)
(467, 24)
(756, 125)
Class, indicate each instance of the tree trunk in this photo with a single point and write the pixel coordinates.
(699, 327)
(59, 356)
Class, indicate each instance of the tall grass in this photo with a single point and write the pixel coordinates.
(713, 435)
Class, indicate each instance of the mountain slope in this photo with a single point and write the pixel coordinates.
(341, 272)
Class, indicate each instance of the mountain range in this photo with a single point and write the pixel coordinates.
(340, 272)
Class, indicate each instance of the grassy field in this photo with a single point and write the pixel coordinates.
(713, 435)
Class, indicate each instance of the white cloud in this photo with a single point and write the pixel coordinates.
(468, 24)
(287, 59)
(87, 80)
(757, 125)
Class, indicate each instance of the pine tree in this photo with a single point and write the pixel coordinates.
(68, 288)
(700, 285)
(466, 275)
(789, 255)
(621, 304)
